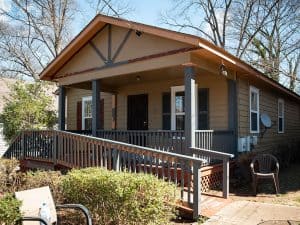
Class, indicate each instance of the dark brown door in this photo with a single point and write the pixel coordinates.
(137, 112)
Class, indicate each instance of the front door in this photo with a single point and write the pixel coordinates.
(137, 112)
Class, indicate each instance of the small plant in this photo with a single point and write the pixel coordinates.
(9, 210)
(202, 219)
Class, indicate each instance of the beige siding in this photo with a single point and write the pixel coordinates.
(268, 104)
(75, 95)
(218, 99)
(135, 47)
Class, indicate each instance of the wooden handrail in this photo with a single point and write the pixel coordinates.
(225, 157)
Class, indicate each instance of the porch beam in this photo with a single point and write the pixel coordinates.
(232, 111)
(189, 107)
(155, 61)
(96, 107)
(62, 108)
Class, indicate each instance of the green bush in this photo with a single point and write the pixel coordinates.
(9, 210)
(120, 198)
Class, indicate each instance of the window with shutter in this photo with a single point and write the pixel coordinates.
(203, 109)
(87, 113)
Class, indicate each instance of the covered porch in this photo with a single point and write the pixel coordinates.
(170, 109)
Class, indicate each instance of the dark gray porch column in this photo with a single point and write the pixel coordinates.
(62, 108)
(232, 111)
(189, 107)
(95, 106)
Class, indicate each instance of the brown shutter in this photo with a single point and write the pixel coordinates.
(166, 111)
(79, 115)
(102, 114)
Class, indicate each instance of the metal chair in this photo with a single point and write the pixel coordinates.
(32, 200)
(264, 166)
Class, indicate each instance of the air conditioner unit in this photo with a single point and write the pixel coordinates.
(244, 144)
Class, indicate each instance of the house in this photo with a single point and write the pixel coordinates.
(147, 99)
(132, 82)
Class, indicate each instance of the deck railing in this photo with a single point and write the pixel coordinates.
(165, 140)
(168, 140)
(214, 155)
(204, 139)
(222, 141)
(79, 151)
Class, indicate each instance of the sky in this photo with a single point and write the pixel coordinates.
(147, 11)
(144, 11)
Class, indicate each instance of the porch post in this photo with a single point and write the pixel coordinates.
(189, 107)
(232, 111)
(62, 108)
(95, 107)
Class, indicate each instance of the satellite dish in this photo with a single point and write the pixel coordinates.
(266, 120)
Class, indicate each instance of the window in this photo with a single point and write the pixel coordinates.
(177, 103)
(87, 113)
(177, 107)
(280, 116)
(254, 110)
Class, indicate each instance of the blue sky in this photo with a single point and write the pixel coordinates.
(147, 11)
(144, 11)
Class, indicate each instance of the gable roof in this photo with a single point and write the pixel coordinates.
(100, 21)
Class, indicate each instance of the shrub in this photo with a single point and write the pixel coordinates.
(9, 210)
(37, 179)
(9, 177)
(120, 198)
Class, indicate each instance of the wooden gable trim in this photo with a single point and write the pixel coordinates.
(152, 56)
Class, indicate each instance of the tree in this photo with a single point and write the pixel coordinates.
(221, 21)
(116, 8)
(34, 34)
(278, 44)
(265, 33)
(27, 107)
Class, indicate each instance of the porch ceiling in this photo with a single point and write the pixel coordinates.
(112, 84)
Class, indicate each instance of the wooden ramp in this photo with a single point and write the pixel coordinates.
(60, 150)
(210, 204)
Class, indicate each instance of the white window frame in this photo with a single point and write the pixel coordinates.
(282, 102)
(84, 99)
(174, 90)
(256, 91)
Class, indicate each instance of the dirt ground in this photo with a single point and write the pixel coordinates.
(289, 179)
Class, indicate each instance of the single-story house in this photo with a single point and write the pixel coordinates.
(155, 87)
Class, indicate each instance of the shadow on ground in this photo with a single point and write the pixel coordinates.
(289, 181)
